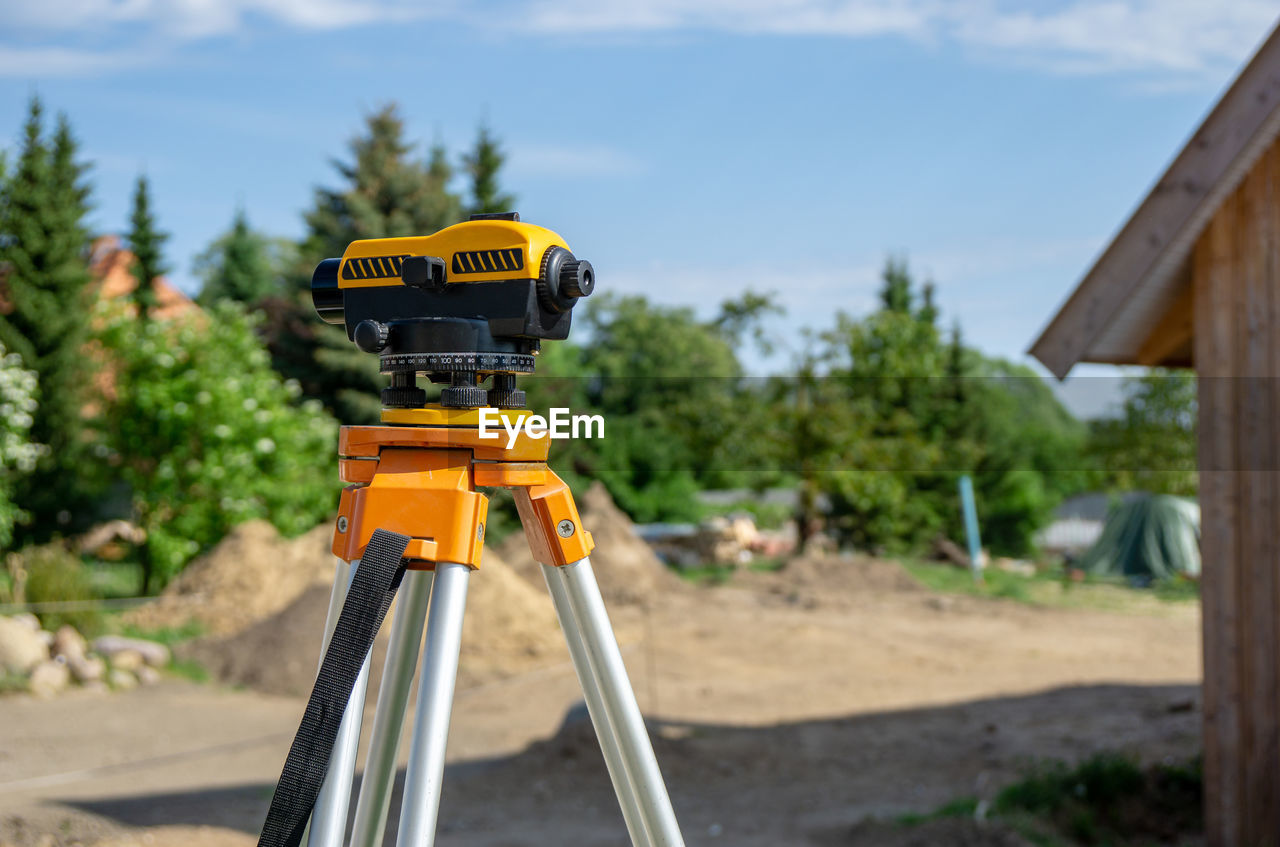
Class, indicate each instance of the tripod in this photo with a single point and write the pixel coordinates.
(416, 480)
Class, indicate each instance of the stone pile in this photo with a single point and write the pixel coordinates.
(52, 662)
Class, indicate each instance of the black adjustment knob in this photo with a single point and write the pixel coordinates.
(463, 397)
(370, 336)
(577, 279)
(507, 398)
(463, 393)
(401, 397)
(504, 394)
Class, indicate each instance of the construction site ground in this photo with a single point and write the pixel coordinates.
(786, 708)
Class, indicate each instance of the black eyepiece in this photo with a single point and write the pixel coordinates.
(325, 293)
(564, 279)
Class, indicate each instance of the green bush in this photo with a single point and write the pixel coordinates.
(56, 575)
(207, 435)
(17, 454)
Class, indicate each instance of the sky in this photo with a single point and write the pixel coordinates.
(689, 150)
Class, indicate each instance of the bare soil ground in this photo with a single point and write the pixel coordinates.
(785, 711)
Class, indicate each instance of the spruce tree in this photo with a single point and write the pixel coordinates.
(482, 165)
(384, 192)
(146, 242)
(237, 266)
(44, 278)
(928, 311)
(896, 294)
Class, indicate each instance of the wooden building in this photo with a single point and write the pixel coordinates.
(1193, 280)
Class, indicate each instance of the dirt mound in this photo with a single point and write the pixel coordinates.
(626, 567)
(508, 627)
(249, 575)
(812, 581)
(509, 624)
(276, 655)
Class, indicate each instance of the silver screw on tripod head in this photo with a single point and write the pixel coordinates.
(565, 528)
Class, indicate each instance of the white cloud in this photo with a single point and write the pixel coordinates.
(41, 62)
(1156, 38)
(1078, 36)
(795, 17)
(1097, 36)
(203, 18)
(579, 161)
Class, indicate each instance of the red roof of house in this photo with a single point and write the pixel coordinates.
(111, 265)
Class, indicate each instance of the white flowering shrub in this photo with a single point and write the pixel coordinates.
(18, 454)
(207, 435)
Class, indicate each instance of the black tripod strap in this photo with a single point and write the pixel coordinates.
(375, 583)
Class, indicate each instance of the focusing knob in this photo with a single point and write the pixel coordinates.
(577, 278)
(370, 336)
(563, 279)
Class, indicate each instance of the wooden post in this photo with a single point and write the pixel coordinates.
(1236, 277)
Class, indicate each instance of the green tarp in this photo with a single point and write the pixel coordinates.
(1149, 537)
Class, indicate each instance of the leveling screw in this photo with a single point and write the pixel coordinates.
(565, 528)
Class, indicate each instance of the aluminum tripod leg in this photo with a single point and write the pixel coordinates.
(421, 803)
(388, 717)
(616, 717)
(328, 825)
(618, 774)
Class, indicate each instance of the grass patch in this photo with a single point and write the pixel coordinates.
(1107, 800)
(965, 807)
(12, 683)
(115, 580)
(721, 574)
(1052, 588)
(188, 669)
(168, 636)
(707, 574)
(55, 575)
(949, 579)
(768, 564)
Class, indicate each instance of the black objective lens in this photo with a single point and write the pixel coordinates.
(325, 293)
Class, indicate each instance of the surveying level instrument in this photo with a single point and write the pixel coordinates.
(468, 304)
(472, 301)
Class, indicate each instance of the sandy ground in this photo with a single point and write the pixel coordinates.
(779, 718)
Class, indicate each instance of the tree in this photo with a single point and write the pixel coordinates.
(146, 242)
(745, 316)
(1151, 444)
(918, 411)
(666, 384)
(208, 436)
(928, 312)
(1026, 453)
(895, 291)
(242, 265)
(482, 165)
(44, 281)
(384, 192)
(18, 454)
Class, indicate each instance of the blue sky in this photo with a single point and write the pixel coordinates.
(688, 149)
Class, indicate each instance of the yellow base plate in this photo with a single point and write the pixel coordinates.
(440, 416)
